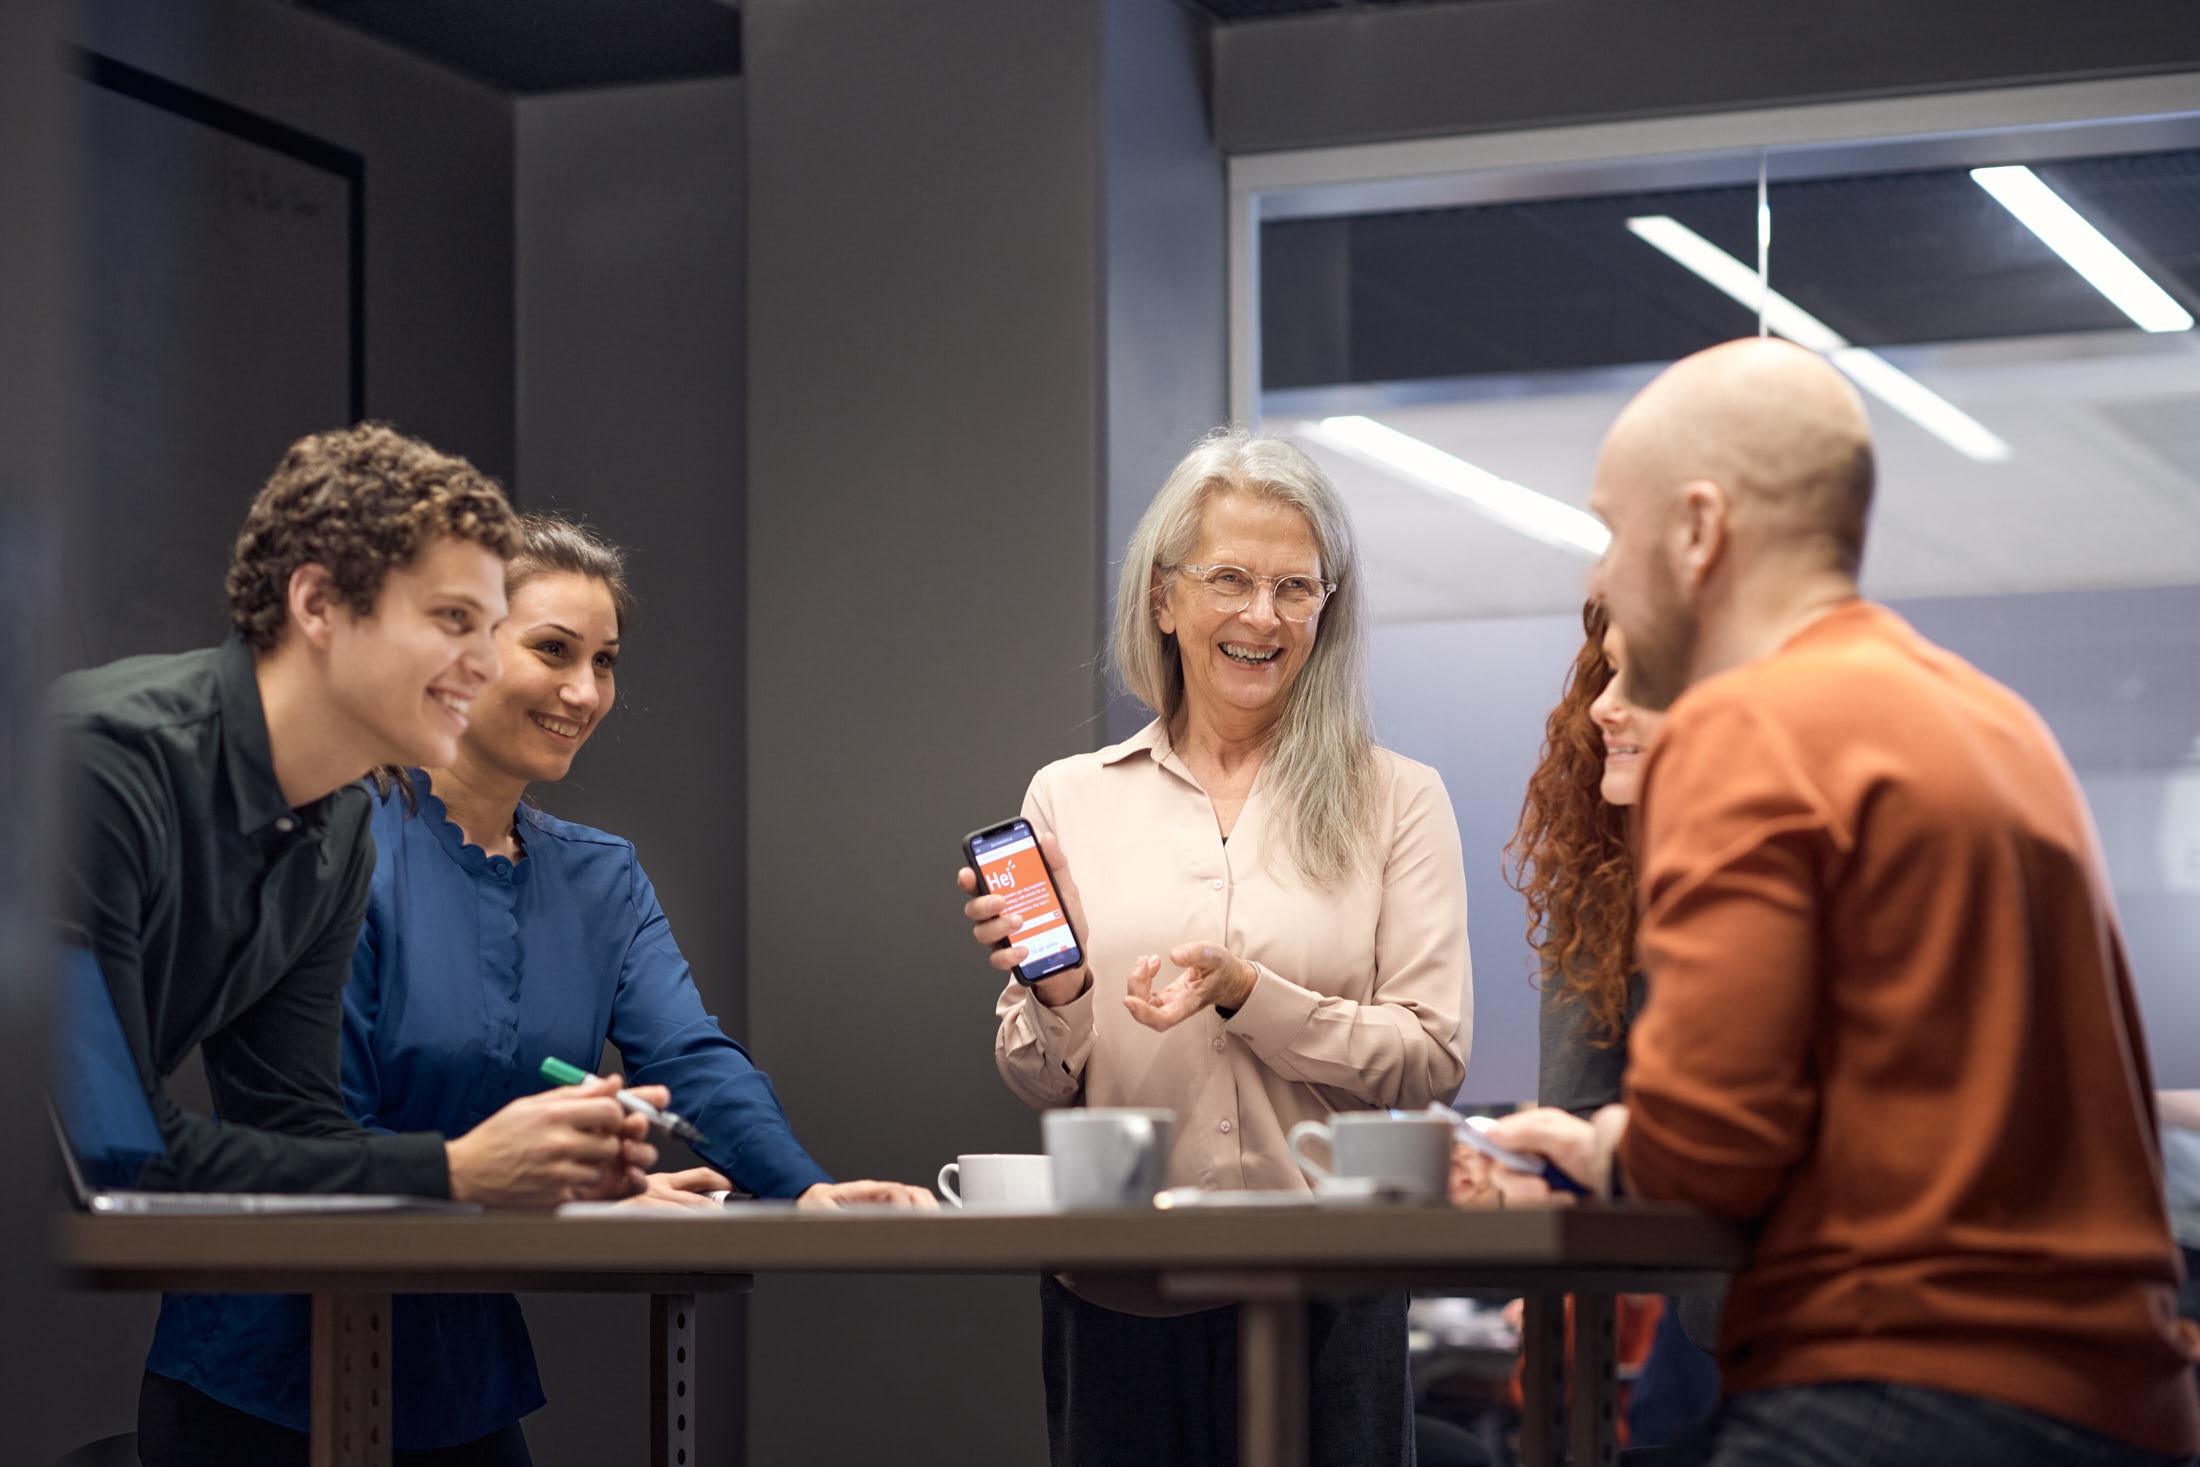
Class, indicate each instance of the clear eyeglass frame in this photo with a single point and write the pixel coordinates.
(1295, 597)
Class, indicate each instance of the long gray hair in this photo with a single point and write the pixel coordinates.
(1321, 766)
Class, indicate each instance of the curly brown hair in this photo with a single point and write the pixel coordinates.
(359, 502)
(1570, 855)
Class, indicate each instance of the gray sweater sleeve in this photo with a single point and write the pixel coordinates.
(1574, 1073)
(1577, 1075)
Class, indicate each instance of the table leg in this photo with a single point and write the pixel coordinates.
(351, 1381)
(1543, 1381)
(1595, 1433)
(671, 1380)
(1272, 1383)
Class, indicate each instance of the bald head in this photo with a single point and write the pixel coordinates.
(1774, 425)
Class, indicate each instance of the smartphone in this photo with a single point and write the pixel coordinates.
(1008, 863)
(1470, 1130)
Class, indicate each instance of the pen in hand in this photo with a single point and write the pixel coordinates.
(664, 1120)
(1469, 1130)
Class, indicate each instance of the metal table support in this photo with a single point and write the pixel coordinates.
(671, 1380)
(1272, 1385)
(351, 1381)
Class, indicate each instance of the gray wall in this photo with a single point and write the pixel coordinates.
(1166, 272)
(934, 413)
(35, 471)
(630, 237)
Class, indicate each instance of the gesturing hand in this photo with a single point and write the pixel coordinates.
(1212, 976)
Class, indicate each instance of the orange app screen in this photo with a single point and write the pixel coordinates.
(1013, 871)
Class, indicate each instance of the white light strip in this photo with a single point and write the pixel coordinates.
(1425, 466)
(2086, 250)
(1869, 370)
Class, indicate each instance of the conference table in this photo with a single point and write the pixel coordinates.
(1269, 1261)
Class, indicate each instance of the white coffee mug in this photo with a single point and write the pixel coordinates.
(1109, 1157)
(1410, 1155)
(998, 1179)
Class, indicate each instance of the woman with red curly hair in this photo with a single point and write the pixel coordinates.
(1571, 859)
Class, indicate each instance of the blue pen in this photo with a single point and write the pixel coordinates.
(1470, 1130)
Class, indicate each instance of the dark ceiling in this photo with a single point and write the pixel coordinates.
(556, 45)
(1260, 9)
(1889, 259)
(565, 45)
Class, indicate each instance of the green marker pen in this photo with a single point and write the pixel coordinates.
(565, 1074)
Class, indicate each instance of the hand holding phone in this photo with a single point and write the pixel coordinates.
(1009, 866)
(1472, 1130)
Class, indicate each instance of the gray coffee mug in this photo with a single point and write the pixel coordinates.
(1107, 1157)
(1409, 1155)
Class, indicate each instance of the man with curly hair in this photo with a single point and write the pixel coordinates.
(221, 849)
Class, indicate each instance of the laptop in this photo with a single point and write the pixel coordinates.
(107, 1133)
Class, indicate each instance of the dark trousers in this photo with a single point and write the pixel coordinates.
(1678, 1388)
(1874, 1424)
(182, 1427)
(2188, 1298)
(1123, 1389)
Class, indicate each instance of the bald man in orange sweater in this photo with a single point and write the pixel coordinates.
(1890, 1024)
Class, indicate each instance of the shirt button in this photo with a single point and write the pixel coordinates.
(1224, 1128)
(1218, 1041)
(1218, 883)
(286, 825)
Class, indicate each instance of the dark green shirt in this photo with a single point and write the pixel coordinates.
(223, 919)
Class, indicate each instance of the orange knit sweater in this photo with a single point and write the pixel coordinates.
(1891, 1026)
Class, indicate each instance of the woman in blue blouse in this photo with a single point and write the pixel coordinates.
(496, 937)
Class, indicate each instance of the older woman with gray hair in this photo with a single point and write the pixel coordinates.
(1301, 886)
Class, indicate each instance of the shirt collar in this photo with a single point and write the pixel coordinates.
(436, 815)
(246, 754)
(1151, 740)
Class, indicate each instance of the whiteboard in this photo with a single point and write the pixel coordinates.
(218, 321)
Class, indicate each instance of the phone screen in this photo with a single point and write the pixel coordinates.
(1009, 866)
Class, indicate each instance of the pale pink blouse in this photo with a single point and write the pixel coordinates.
(1362, 999)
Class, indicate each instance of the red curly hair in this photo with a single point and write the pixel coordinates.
(1570, 855)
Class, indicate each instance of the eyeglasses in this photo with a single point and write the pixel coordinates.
(1231, 588)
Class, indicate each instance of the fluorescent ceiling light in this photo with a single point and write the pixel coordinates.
(1426, 466)
(1867, 369)
(2062, 229)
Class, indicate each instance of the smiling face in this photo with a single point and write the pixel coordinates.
(1239, 666)
(407, 674)
(1627, 729)
(560, 653)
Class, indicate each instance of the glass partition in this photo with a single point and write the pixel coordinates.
(2017, 312)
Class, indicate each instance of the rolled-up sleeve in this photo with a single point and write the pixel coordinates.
(1407, 1044)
